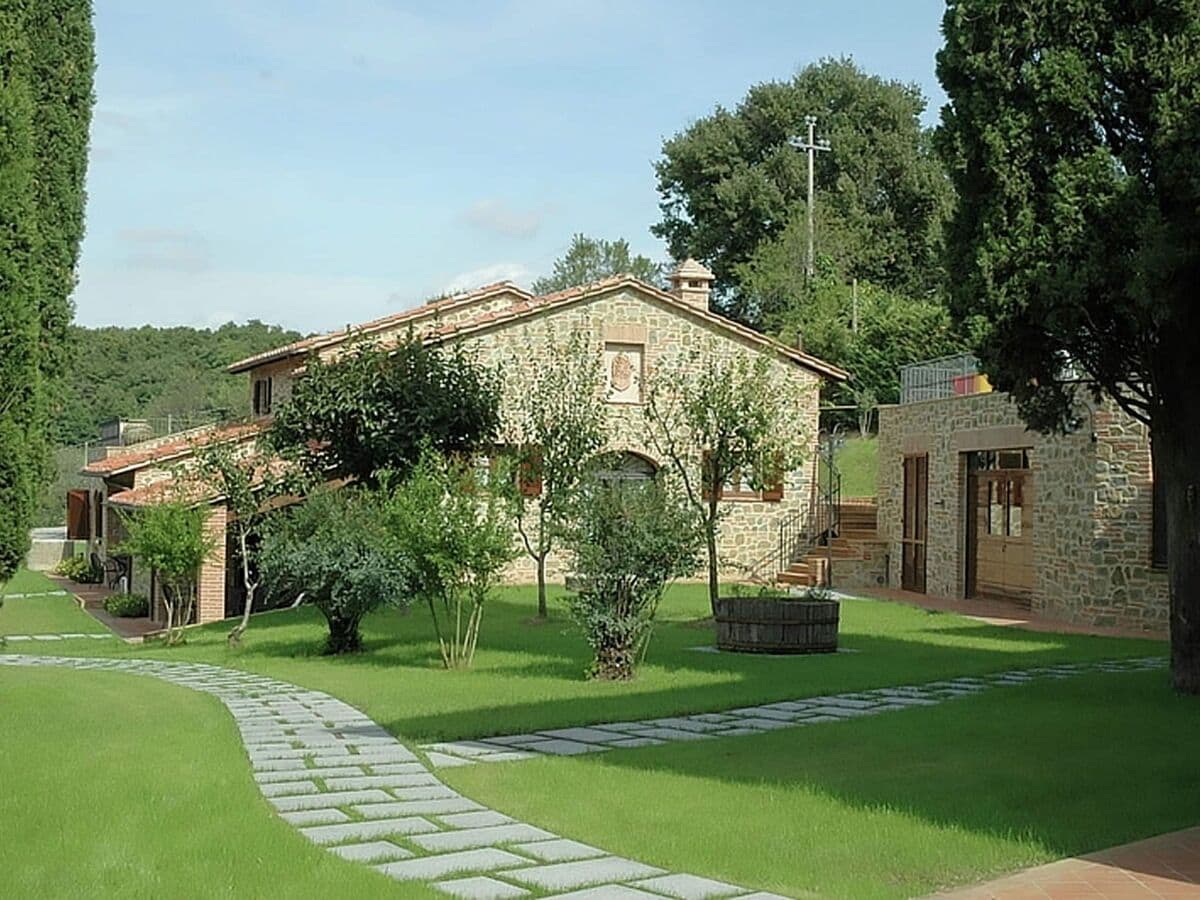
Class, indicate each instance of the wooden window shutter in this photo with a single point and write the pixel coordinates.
(773, 490)
(78, 516)
(529, 473)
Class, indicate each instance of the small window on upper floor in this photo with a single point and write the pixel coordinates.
(262, 396)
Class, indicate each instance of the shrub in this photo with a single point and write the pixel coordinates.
(127, 606)
(456, 537)
(627, 540)
(334, 549)
(79, 569)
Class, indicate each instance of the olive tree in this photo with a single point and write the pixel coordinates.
(714, 419)
(335, 549)
(627, 540)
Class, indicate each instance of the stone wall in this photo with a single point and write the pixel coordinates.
(749, 531)
(1091, 494)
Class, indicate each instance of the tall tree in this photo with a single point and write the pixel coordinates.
(21, 399)
(730, 182)
(1074, 142)
(590, 259)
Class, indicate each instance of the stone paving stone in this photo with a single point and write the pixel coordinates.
(737, 732)
(430, 867)
(360, 782)
(372, 851)
(315, 817)
(636, 742)
(331, 799)
(839, 713)
(490, 836)
(480, 888)
(463, 748)
(276, 765)
(606, 892)
(481, 819)
(442, 761)
(559, 850)
(767, 712)
(327, 761)
(850, 703)
(688, 887)
(674, 734)
(505, 756)
(567, 875)
(817, 720)
(425, 792)
(558, 747)
(417, 807)
(294, 774)
(514, 740)
(586, 735)
(714, 717)
(404, 768)
(762, 895)
(333, 834)
(761, 725)
(687, 724)
(287, 788)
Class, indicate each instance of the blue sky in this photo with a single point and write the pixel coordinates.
(314, 163)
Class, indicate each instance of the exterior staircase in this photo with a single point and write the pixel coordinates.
(854, 528)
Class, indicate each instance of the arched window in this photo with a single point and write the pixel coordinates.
(626, 466)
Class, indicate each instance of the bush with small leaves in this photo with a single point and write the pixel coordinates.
(127, 606)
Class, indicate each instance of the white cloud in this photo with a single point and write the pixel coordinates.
(503, 271)
(498, 217)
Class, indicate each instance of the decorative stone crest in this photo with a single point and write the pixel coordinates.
(621, 372)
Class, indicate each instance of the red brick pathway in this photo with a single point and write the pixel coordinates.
(1163, 866)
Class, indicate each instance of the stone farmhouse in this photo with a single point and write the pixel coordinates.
(973, 505)
(634, 327)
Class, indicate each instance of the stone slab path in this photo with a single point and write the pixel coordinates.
(54, 637)
(752, 719)
(347, 785)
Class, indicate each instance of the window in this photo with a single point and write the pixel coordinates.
(623, 372)
(262, 396)
(738, 487)
(627, 466)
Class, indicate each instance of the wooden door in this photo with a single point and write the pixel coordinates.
(915, 524)
(1001, 543)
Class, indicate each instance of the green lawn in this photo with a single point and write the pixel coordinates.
(122, 786)
(891, 806)
(858, 461)
(42, 615)
(886, 806)
(531, 676)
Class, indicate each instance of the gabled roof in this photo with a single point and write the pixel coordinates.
(332, 338)
(526, 304)
(170, 450)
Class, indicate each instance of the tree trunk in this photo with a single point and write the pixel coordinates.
(235, 636)
(344, 636)
(543, 610)
(1176, 448)
(710, 536)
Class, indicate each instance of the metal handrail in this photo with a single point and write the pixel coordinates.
(800, 534)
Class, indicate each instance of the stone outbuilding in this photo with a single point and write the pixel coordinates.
(973, 505)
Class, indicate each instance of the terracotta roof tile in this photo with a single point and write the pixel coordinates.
(171, 449)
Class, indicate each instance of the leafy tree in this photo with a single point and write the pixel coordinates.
(240, 476)
(335, 549)
(731, 183)
(590, 259)
(22, 442)
(557, 425)
(372, 409)
(627, 539)
(715, 419)
(456, 537)
(1073, 140)
(170, 539)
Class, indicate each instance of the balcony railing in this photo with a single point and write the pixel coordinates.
(948, 376)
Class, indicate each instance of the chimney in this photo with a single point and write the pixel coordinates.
(692, 283)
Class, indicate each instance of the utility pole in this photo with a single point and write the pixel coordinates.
(812, 146)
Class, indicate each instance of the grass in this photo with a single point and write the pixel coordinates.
(858, 461)
(42, 615)
(891, 806)
(529, 676)
(121, 786)
(886, 806)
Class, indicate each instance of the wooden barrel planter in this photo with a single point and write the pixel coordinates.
(776, 625)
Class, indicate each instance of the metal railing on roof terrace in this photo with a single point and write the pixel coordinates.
(947, 376)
